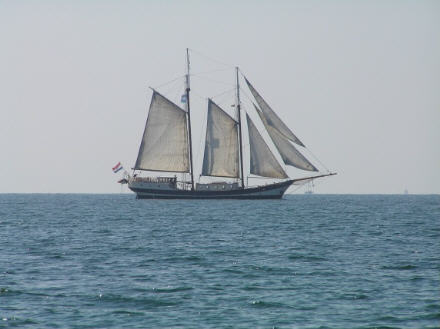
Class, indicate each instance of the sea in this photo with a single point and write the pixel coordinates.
(306, 261)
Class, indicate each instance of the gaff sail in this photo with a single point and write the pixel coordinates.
(221, 144)
(164, 145)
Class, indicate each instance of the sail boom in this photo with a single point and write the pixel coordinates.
(220, 176)
(313, 177)
(158, 170)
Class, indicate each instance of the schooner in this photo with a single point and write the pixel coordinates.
(166, 151)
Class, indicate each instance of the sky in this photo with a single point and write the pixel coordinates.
(357, 81)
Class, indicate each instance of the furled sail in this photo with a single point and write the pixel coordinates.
(290, 155)
(272, 118)
(164, 145)
(221, 146)
(263, 162)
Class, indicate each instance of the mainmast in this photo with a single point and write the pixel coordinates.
(238, 106)
(187, 89)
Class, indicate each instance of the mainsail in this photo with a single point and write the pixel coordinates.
(271, 117)
(164, 144)
(263, 162)
(290, 155)
(221, 145)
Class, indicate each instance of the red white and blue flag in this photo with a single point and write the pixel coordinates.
(117, 168)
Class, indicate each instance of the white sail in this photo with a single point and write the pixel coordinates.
(263, 162)
(290, 155)
(221, 146)
(272, 118)
(164, 145)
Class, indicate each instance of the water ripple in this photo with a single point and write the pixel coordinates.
(320, 261)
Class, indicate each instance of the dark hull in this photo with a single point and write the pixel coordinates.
(270, 191)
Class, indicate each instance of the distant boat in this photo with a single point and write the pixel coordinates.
(310, 187)
(166, 146)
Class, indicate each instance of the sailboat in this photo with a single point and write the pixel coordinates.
(166, 151)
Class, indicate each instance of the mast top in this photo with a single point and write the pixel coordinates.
(187, 83)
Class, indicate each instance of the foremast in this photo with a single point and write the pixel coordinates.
(238, 107)
(188, 109)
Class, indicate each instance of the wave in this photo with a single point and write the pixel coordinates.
(13, 321)
(171, 290)
(130, 313)
(354, 296)
(306, 258)
(186, 259)
(399, 267)
(136, 301)
(263, 304)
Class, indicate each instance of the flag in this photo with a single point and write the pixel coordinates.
(183, 98)
(117, 168)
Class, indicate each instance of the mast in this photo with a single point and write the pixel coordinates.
(187, 89)
(238, 106)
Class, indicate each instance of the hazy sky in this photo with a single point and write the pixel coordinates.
(357, 81)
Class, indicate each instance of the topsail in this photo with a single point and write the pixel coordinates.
(164, 144)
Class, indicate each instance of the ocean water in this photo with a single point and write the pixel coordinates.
(307, 261)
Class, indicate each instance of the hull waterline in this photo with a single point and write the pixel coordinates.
(270, 191)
